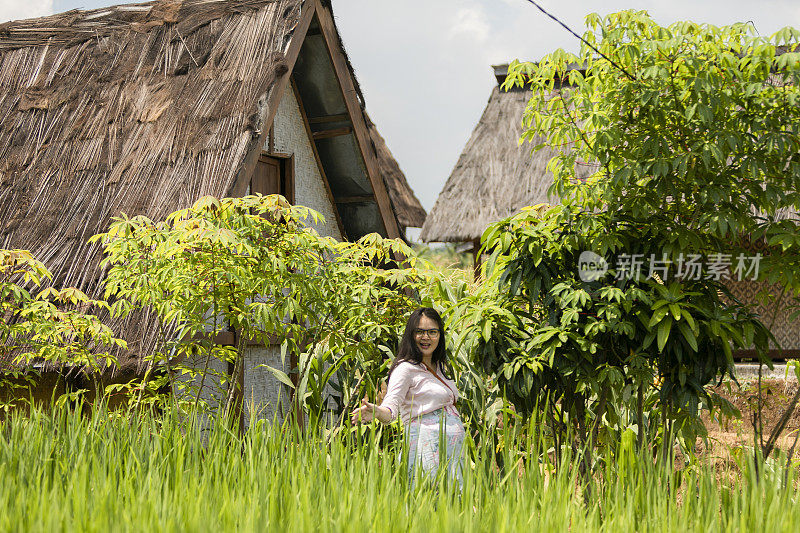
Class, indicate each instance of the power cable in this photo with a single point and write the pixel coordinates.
(587, 43)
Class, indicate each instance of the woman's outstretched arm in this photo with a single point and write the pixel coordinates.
(368, 411)
(399, 383)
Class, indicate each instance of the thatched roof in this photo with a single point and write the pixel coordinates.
(495, 176)
(142, 108)
(137, 109)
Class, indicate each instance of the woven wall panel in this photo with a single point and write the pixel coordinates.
(786, 331)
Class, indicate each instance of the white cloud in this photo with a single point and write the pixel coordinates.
(470, 22)
(24, 9)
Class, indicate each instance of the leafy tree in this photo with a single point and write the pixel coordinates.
(693, 127)
(49, 326)
(693, 132)
(599, 356)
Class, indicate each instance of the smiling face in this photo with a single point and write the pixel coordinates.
(426, 343)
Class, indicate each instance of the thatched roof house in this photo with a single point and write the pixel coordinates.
(495, 176)
(143, 108)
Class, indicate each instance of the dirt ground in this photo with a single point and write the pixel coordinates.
(729, 436)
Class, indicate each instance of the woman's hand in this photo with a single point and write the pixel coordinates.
(364, 413)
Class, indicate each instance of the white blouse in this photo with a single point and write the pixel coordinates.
(414, 391)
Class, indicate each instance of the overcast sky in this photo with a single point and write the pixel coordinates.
(424, 65)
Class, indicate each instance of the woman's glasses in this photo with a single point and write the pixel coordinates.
(432, 333)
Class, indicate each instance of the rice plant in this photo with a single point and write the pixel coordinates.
(63, 471)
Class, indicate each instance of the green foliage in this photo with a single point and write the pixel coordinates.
(446, 257)
(596, 351)
(693, 132)
(251, 265)
(48, 326)
(692, 127)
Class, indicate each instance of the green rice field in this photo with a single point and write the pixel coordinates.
(65, 472)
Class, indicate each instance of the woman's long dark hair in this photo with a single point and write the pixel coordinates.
(408, 350)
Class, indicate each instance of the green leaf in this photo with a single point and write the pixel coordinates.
(688, 334)
(487, 330)
(658, 316)
(689, 320)
(663, 332)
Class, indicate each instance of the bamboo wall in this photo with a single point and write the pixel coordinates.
(774, 312)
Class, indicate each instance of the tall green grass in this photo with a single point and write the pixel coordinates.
(61, 471)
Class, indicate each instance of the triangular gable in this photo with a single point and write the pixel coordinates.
(338, 126)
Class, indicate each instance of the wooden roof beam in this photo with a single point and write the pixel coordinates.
(279, 87)
(336, 132)
(342, 117)
(355, 199)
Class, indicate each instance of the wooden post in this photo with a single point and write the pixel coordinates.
(476, 258)
(236, 374)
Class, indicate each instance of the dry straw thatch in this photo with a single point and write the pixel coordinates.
(139, 108)
(495, 176)
(127, 110)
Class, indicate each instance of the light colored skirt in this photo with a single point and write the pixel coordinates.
(435, 440)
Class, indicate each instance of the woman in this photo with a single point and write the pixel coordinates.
(423, 396)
